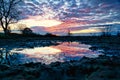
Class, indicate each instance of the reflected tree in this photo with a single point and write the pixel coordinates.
(1, 55)
(7, 57)
(4, 56)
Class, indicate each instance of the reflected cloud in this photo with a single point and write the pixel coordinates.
(65, 51)
(37, 50)
(40, 54)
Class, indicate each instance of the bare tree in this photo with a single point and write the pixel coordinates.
(9, 13)
(106, 31)
(69, 32)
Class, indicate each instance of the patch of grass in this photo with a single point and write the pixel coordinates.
(2, 35)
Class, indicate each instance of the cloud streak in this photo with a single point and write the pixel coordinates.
(92, 12)
(82, 9)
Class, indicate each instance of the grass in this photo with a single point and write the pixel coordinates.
(1, 34)
(88, 39)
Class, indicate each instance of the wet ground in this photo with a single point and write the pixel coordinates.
(46, 51)
(104, 67)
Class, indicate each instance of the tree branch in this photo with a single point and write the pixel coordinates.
(2, 24)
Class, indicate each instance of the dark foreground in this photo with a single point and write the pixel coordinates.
(102, 68)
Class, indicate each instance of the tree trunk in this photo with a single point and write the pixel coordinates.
(6, 32)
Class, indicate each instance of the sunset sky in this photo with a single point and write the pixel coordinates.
(78, 16)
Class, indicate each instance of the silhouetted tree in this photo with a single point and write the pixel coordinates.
(118, 33)
(21, 27)
(69, 33)
(24, 29)
(9, 13)
(8, 30)
(106, 31)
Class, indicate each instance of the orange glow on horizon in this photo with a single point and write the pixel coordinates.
(43, 23)
(92, 30)
(64, 26)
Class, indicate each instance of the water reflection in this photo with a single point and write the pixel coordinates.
(65, 51)
(75, 50)
(38, 54)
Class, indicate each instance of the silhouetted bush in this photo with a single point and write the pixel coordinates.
(118, 33)
(49, 34)
(27, 31)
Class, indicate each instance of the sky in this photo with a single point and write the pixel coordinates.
(78, 16)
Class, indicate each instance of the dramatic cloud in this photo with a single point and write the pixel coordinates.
(64, 9)
(93, 12)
